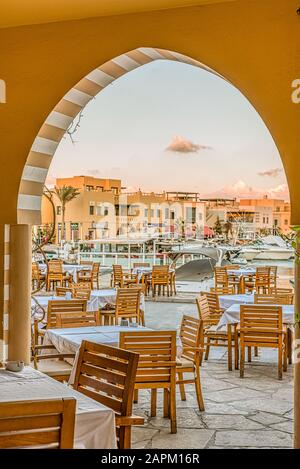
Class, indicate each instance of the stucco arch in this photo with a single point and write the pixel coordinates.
(61, 117)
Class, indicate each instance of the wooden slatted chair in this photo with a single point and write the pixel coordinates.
(52, 363)
(223, 290)
(90, 276)
(190, 360)
(107, 375)
(283, 291)
(234, 280)
(273, 276)
(37, 278)
(262, 280)
(209, 320)
(56, 275)
(213, 302)
(63, 306)
(156, 366)
(122, 279)
(127, 307)
(221, 277)
(41, 424)
(274, 299)
(160, 279)
(61, 291)
(78, 319)
(82, 290)
(261, 326)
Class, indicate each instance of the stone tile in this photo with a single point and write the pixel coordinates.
(186, 418)
(233, 422)
(184, 438)
(141, 437)
(255, 439)
(234, 394)
(287, 426)
(209, 384)
(265, 405)
(221, 409)
(267, 418)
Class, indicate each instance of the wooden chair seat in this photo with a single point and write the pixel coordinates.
(212, 330)
(184, 363)
(54, 368)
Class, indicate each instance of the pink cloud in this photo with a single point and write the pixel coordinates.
(241, 190)
(182, 145)
(273, 173)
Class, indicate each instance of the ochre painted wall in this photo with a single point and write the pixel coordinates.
(253, 43)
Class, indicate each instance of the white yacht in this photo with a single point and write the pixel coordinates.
(271, 247)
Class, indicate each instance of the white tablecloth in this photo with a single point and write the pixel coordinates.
(240, 272)
(227, 300)
(232, 315)
(94, 423)
(70, 268)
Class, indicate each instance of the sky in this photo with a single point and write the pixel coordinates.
(171, 126)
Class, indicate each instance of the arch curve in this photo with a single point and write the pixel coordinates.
(61, 117)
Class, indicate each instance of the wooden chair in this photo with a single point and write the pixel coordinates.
(55, 275)
(283, 291)
(221, 277)
(274, 299)
(90, 276)
(82, 290)
(273, 276)
(52, 364)
(61, 291)
(262, 280)
(127, 307)
(122, 279)
(209, 320)
(261, 326)
(160, 279)
(78, 319)
(190, 360)
(83, 262)
(63, 306)
(41, 424)
(223, 290)
(213, 302)
(107, 375)
(156, 366)
(37, 278)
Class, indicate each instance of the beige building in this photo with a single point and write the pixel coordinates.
(103, 210)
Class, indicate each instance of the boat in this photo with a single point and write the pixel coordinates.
(271, 248)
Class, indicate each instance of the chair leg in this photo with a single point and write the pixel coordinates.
(153, 402)
(173, 408)
(236, 350)
(290, 343)
(166, 403)
(249, 355)
(125, 437)
(242, 360)
(207, 349)
(256, 351)
(285, 353)
(280, 361)
(181, 387)
(136, 396)
(199, 390)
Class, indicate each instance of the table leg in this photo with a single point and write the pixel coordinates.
(236, 348)
(229, 334)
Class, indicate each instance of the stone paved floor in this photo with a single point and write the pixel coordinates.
(254, 412)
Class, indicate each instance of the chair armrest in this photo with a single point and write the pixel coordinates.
(125, 421)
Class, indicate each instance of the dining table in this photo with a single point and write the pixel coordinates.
(94, 422)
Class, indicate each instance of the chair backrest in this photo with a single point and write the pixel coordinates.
(221, 277)
(61, 291)
(213, 301)
(260, 324)
(82, 290)
(160, 274)
(95, 269)
(35, 271)
(273, 273)
(262, 276)
(141, 264)
(274, 298)
(63, 306)
(55, 267)
(223, 290)
(128, 303)
(190, 336)
(107, 375)
(43, 424)
(83, 262)
(118, 274)
(205, 315)
(82, 319)
(157, 355)
(283, 291)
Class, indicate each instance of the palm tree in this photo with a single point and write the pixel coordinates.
(65, 194)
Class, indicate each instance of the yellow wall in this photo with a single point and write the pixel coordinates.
(253, 43)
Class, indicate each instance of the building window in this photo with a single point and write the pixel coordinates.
(264, 220)
(200, 216)
(58, 210)
(167, 213)
(92, 209)
(99, 188)
(146, 213)
(89, 188)
(115, 190)
(158, 213)
(99, 210)
(286, 222)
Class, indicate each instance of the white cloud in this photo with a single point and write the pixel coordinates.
(182, 145)
(242, 190)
